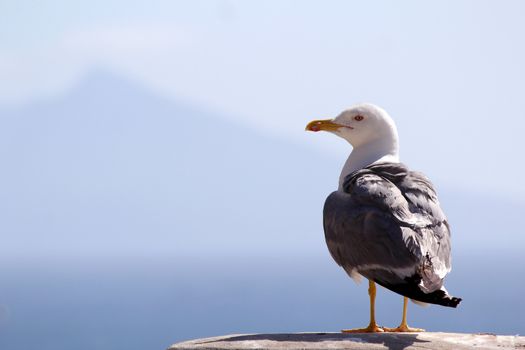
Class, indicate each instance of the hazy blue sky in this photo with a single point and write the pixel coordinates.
(451, 73)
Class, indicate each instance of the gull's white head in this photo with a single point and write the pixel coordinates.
(360, 125)
(369, 129)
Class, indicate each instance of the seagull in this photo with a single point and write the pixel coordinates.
(385, 222)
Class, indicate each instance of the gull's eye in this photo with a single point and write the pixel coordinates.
(359, 118)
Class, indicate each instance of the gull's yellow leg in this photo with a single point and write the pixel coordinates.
(372, 326)
(403, 327)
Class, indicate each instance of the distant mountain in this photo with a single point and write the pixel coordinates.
(112, 169)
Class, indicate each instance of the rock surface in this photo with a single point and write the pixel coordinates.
(391, 341)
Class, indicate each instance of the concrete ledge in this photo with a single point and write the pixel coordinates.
(391, 341)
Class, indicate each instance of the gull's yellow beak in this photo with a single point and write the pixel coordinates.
(326, 125)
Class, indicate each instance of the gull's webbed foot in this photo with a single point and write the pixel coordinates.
(372, 328)
(403, 328)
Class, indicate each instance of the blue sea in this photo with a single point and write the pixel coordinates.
(150, 303)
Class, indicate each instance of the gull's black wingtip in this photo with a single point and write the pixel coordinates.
(454, 302)
(411, 290)
(438, 297)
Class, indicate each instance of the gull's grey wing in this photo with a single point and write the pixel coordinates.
(385, 226)
(432, 241)
(361, 228)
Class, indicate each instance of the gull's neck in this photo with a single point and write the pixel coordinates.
(366, 154)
